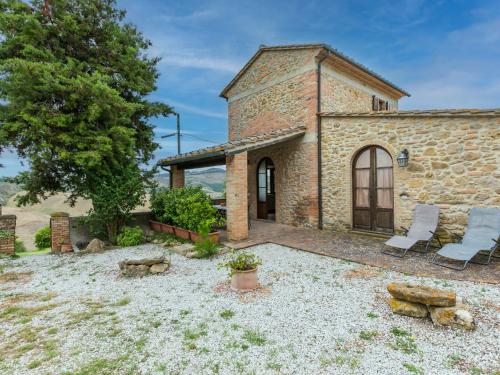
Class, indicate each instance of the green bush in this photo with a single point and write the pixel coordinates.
(205, 247)
(188, 208)
(19, 246)
(130, 237)
(43, 238)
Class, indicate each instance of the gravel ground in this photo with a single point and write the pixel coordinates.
(312, 315)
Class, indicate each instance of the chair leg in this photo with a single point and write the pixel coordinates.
(392, 254)
(447, 265)
(483, 263)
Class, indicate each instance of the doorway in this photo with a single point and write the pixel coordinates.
(373, 191)
(266, 196)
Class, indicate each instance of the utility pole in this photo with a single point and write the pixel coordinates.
(177, 133)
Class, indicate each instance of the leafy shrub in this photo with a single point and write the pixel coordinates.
(19, 246)
(205, 247)
(188, 208)
(240, 261)
(43, 238)
(112, 203)
(130, 236)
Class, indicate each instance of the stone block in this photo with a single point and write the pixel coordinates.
(422, 294)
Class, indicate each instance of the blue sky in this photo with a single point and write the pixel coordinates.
(445, 53)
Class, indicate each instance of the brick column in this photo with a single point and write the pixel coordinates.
(59, 224)
(237, 196)
(7, 234)
(177, 177)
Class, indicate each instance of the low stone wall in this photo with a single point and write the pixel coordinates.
(8, 227)
(454, 164)
(80, 231)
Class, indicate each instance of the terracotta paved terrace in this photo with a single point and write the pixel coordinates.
(364, 249)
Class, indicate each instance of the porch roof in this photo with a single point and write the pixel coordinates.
(216, 155)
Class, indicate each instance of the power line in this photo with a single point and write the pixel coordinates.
(200, 138)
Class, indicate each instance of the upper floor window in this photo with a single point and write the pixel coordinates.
(379, 104)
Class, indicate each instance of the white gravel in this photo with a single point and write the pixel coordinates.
(306, 319)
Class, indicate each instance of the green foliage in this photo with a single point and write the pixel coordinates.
(43, 238)
(188, 208)
(74, 86)
(5, 234)
(240, 261)
(115, 199)
(130, 236)
(19, 246)
(405, 342)
(205, 247)
(227, 314)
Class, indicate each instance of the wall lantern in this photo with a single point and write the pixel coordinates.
(403, 158)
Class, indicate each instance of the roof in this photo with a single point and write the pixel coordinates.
(329, 50)
(234, 147)
(417, 113)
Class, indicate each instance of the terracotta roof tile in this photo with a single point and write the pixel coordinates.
(239, 145)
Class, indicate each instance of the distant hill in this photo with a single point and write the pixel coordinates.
(211, 180)
(7, 190)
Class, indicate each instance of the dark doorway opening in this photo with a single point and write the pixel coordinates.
(266, 196)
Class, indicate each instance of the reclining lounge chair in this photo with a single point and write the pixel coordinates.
(482, 234)
(423, 227)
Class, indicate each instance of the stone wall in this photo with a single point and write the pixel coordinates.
(8, 238)
(454, 163)
(296, 198)
(272, 65)
(280, 93)
(340, 93)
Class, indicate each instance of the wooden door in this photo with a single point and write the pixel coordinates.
(373, 192)
(265, 190)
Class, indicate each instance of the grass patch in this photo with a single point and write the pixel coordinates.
(194, 335)
(372, 315)
(8, 277)
(254, 337)
(368, 335)
(123, 302)
(405, 342)
(37, 252)
(105, 366)
(227, 314)
(413, 369)
(24, 313)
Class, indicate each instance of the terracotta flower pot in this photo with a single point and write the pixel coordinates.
(244, 280)
(214, 236)
(168, 228)
(182, 233)
(155, 225)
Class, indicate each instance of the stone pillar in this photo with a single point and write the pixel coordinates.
(59, 224)
(237, 196)
(7, 234)
(177, 177)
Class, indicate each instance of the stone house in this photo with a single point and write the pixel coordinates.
(314, 139)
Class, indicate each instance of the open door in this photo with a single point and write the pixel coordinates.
(266, 196)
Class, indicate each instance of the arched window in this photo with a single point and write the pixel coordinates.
(265, 190)
(373, 190)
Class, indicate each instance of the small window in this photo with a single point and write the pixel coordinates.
(379, 104)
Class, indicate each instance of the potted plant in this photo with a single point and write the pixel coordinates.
(242, 267)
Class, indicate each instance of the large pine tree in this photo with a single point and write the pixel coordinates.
(74, 80)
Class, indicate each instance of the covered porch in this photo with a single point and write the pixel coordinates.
(252, 191)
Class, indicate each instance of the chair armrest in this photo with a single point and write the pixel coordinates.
(496, 241)
(457, 236)
(406, 230)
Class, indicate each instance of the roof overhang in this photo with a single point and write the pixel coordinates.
(216, 155)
